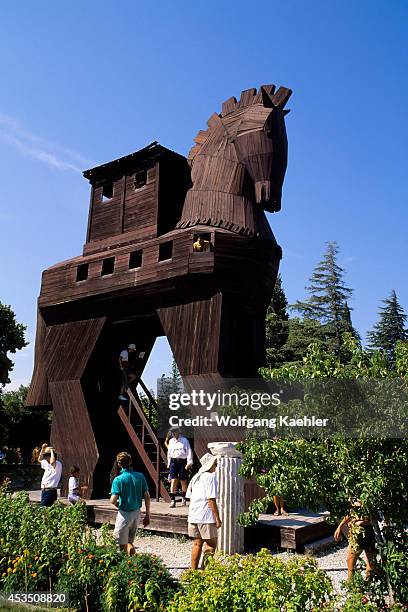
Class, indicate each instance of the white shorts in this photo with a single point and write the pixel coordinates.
(126, 526)
(74, 499)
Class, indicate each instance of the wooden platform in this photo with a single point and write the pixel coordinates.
(289, 532)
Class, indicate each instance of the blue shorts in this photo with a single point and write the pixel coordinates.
(48, 497)
(178, 469)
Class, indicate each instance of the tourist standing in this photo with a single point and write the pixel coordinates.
(179, 460)
(203, 515)
(128, 491)
(52, 474)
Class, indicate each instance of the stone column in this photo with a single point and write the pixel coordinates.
(230, 496)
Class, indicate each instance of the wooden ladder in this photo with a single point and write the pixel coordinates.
(145, 440)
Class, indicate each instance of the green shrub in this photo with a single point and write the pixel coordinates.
(35, 542)
(139, 583)
(254, 583)
(43, 549)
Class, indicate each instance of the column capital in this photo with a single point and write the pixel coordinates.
(225, 449)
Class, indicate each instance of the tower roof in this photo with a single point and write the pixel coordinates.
(150, 152)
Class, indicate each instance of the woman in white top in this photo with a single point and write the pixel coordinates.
(52, 474)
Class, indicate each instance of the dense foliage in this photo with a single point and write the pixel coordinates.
(22, 427)
(12, 339)
(277, 327)
(330, 472)
(52, 549)
(43, 549)
(254, 583)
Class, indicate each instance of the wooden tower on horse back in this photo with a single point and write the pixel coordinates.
(139, 277)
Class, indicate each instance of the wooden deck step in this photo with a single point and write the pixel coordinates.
(291, 532)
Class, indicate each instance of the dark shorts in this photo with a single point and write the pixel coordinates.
(178, 469)
(48, 497)
(362, 538)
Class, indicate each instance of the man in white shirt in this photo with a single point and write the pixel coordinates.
(127, 376)
(179, 460)
(203, 515)
(52, 474)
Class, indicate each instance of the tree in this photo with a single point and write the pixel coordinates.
(11, 340)
(390, 328)
(327, 301)
(22, 427)
(176, 376)
(277, 327)
(302, 332)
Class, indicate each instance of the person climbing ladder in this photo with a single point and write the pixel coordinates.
(127, 373)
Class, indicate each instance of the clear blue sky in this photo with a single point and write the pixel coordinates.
(84, 83)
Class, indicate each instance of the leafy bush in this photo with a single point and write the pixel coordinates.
(254, 583)
(35, 542)
(43, 549)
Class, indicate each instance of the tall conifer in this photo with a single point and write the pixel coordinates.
(390, 328)
(328, 298)
(277, 329)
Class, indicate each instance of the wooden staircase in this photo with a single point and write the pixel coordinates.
(144, 438)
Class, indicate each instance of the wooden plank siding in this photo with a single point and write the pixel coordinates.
(193, 332)
(68, 348)
(38, 393)
(72, 432)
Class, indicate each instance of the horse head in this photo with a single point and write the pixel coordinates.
(251, 131)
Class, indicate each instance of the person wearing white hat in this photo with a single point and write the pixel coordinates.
(52, 474)
(203, 515)
(127, 375)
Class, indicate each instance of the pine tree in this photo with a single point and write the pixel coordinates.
(302, 332)
(328, 295)
(390, 327)
(277, 327)
(176, 376)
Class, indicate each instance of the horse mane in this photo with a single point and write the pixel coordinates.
(231, 117)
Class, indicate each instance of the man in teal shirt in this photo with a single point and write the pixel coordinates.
(128, 491)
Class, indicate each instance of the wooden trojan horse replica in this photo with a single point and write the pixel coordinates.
(139, 278)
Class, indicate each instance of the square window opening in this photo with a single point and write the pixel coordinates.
(108, 266)
(82, 272)
(140, 179)
(107, 192)
(165, 250)
(135, 259)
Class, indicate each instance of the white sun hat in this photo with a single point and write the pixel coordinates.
(132, 346)
(207, 461)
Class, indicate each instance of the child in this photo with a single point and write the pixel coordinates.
(73, 485)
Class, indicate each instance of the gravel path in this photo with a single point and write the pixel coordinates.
(175, 552)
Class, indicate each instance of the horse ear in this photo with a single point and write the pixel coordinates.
(266, 92)
(281, 97)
